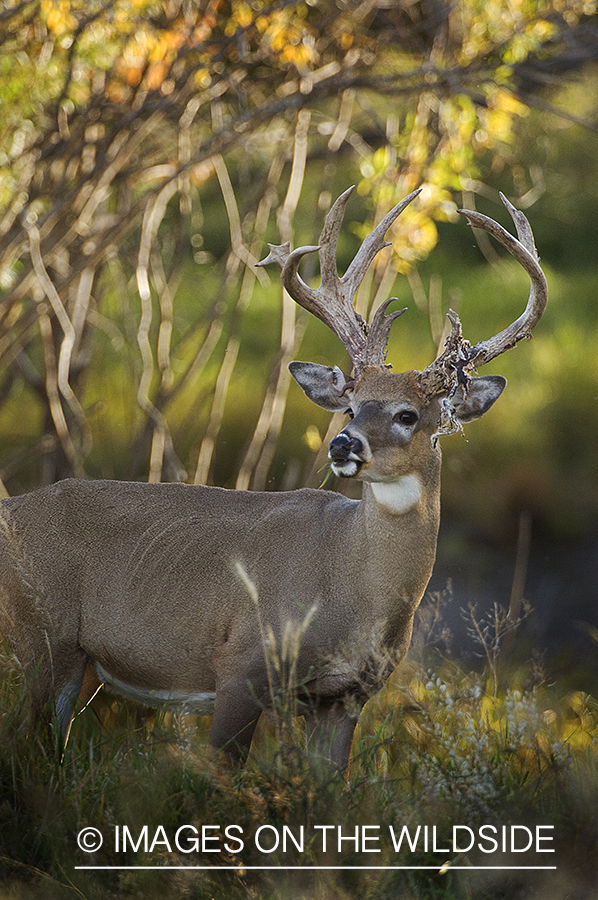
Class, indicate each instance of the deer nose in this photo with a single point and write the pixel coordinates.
(343, 446)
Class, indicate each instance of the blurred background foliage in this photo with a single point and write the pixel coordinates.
(148, 150)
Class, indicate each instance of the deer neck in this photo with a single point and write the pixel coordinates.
(401, 520)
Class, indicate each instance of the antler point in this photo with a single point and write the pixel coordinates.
(278, 254)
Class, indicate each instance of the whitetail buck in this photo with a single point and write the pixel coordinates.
(148, 583)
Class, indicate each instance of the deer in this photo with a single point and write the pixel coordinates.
(170, 591)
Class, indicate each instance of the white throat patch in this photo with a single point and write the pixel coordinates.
(398, 497)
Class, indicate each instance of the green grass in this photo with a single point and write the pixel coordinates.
(438, 747)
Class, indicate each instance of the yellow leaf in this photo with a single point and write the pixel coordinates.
(312, 438)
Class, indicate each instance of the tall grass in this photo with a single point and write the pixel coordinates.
(439, 746)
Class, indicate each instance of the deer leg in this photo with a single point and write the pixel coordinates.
(54, 694)
(65, 701)
(54, 674)
(236, 713)
(329, 732)
(46, 644)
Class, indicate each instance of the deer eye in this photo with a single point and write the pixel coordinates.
(405, 417)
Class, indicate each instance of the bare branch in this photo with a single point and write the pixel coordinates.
(66, 350)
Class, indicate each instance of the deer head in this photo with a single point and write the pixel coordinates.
(396, 418)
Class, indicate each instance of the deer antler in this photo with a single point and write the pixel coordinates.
(332, 302)
(459, 358)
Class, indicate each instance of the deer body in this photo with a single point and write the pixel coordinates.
(359, 564)
(173, 592)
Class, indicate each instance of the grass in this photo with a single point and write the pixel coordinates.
(439, 747)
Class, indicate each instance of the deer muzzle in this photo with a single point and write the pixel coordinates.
(345, 452)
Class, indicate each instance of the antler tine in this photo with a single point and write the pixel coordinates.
(329, 239)
(524, 251)
(372, 244)
(459, 357)
(378, 333)
(332, 302)
(326, 304)
(289, 262)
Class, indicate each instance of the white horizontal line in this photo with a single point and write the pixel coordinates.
(318, 868)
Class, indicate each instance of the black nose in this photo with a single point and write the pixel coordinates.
(343, 446)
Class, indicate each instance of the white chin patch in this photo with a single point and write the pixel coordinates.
(346, 468)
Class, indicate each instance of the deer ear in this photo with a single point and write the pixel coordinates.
(481, 393)
(325, 385)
